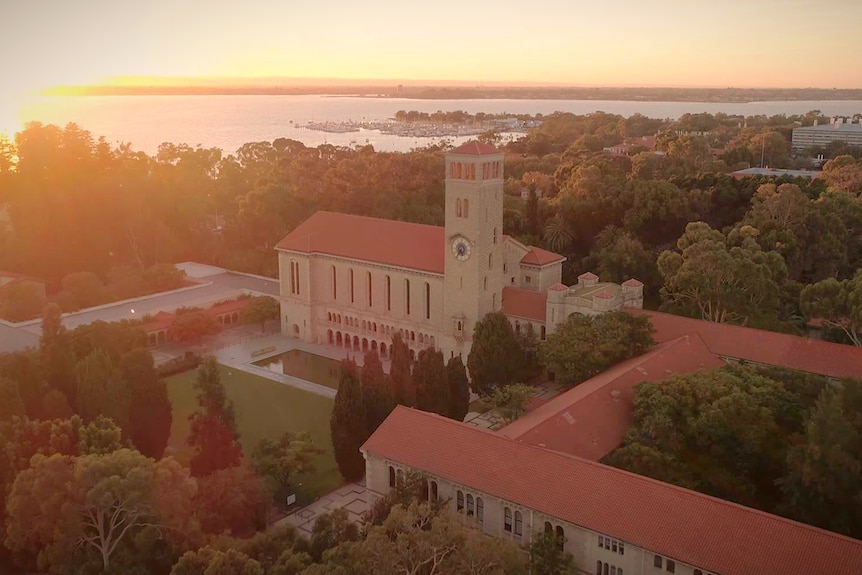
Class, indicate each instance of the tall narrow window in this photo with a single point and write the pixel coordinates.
(460, 500)
(485, 283)
(670, 566)
(466, 208)
(507, 520)
(480, 509)
(542, 333)
(598, 568)
(433, 491)
(519, 524)
(391, 476)
(370, 300)
(490, 261)
(470, 502)
(458, 207)
(334, 284)
(561, 537)
(495, 235)
(388, 293)
(352, 294)
(294, 277)
(427, 300)
(407, 296)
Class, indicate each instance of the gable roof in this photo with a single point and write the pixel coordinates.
(539, 257)
(390, 242)
(690, 527)
(525, 303)
(759, 346)
(474, 148)
(591, 419)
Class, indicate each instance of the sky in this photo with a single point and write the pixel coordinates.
(715, 43)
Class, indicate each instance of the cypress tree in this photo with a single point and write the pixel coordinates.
(496, 358)
(400, 372)
(348, 424)
(150, 415)
(432, 386)
(376, 391)
(459, 389)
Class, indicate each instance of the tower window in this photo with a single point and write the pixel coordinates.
(407, 296)
(350, 274)
(294, 277)
(495, 235)
(370, 301)
(334, 284)
(427, 300)
(485, 283)
(466, 208)
(388, 293)
(490, 261)
(458, 211)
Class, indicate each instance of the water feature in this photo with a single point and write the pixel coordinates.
(304, 365)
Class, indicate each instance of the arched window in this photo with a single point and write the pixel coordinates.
(334, 284)
(598, 568)
(388, 293)
(470, 503)
(391, 476)
(294, 277)
(480, 509)
(426, 492)
(407, 296)
(460, 500)
(433, 491)
(458, 207)
(370, 301)
(605, 568)
(519, 524)
(561, 537)
(548, 527)
(507, 520)
(517, 327)
(427, 300)
(613, 570)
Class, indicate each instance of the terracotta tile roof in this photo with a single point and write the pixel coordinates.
(474, 148)
(591, 419)
(390, 242)
(588, 276)
(690, 527)
(633, 282)
(529, 304)
(558, 287)
(229, 306)
(759, 346)
(161, 321)
(539, 257)
(604, 294)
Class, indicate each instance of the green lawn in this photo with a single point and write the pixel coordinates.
(264, 409)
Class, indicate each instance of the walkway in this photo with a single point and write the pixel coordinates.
(354, 497)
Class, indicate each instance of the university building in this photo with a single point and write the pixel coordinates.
(354, 281)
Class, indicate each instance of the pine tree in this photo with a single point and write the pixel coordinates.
(400, 372)
(376, 391)
(348, 423)
(213, 436)
(459, 389)
(150, 415)
(432, 385)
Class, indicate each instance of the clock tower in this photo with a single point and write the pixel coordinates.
(473, 282)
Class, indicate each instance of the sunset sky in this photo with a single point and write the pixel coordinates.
(769, 43)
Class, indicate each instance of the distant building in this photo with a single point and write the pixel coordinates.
(354, 281)
(632, 146)
(775, 173)
(838, 129)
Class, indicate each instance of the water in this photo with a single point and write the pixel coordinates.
(304, 365)
(227, 122)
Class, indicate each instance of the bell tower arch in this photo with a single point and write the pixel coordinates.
(473, 282)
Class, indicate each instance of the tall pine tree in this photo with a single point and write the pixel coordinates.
(432, 385)
(400, 372)
(213, 427)
(376, 391)
(150, 415)
(459, 389)
(348, 423)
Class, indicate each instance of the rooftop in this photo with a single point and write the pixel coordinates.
(777, 173)
(591, 419)
(474, 148)
(759, 346)
(539, 257)
(693, 528)
(525, 303)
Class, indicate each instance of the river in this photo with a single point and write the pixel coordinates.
(227, 122)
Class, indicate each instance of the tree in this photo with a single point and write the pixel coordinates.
(282, 458)
(210, 561)
(213, 427)
(21, 301)
(377, 394)
(584, 346)
(400, 372)
(232, 500)
(547, 556)
(618, 256)
(102, 390)
(211, 393)
(330, 530)
(558, 235)
(57, 359)
(713, 279)
(495, 358)
(822, 486)
(262, 309)
(349, 424)
(844, 173)
(510, 402)
(532, 211)
(100, 502)
(11, 404)
(54, 405)
(193, 326)
(84, 290)
(837, 303)
(459, 389)
(150, 414)
(432, 386)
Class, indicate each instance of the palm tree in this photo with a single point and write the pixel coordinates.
(558, 235)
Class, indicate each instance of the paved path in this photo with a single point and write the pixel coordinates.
(354, 497)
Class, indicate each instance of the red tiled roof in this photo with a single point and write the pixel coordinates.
(390, 242)
(558, 287)
(529, 304)
(474, 148)
(633, 282)
(229, 306)
(539, 257)
(591, 419)
(759, 346)
(588, 276)
(693, 528)
(162, 320)
(604, 294)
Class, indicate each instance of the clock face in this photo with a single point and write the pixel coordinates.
(461, 249)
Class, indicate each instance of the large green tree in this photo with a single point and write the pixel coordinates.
(56, 356)
(150, 414)
(232, 500)
(459, 389)
(282, 458)
(400, 372)
(584, 346)
(838, 304)
(193, 326)
(432, 385)
(211, 561)
(213, 436)
(102, 390)
(348, 423)
(722, 279)
(377, 393)
(262, 309)
(495, 357)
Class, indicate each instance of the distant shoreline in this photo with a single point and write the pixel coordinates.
(701, 95)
